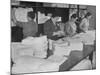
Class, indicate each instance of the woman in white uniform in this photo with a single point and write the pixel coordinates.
(70, 27)
(84, 25)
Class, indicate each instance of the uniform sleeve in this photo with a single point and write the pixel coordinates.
(83, 25)
(36, 27)
(69, 29)
(47, 29)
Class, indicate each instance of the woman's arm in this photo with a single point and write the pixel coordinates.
(83, 26)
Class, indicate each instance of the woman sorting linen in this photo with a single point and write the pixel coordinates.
(84, 25)
(51, 29)
(30, 28)
(70, 27)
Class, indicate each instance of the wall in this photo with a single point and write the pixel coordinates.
(92, 9)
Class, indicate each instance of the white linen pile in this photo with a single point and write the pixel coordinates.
(36, 47)
(61, 49)
(87, 38)
(40, 45)
(65, 47)
(27, 60)
(30, 64)
(21, 14)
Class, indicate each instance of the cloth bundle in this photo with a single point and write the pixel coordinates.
(21, 14)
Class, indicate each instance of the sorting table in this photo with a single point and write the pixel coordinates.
(76, 56)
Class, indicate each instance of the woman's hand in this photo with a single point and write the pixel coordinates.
(59, 33)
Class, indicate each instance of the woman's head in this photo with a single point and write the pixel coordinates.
(74, 17)
(88, 15)
(55, 17)
(30, 15)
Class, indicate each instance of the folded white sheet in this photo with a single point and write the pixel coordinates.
(29, 64)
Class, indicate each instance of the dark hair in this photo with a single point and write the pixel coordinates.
(74, 16)
(31, 14)
(88, 14)
(55, 15)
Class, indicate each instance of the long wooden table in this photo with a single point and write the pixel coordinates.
(76, 56)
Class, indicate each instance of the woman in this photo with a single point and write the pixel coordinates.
(51, 29)
(70, 27)
(30, 28)
(84, 25)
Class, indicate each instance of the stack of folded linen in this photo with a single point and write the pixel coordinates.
(66, 47)
(61, 48)
(40, 45)
(76, 46)
(36, 47)
(87, 38)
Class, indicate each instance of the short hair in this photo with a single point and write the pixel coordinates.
(31, 14)
(88, 14)
(74, 16)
